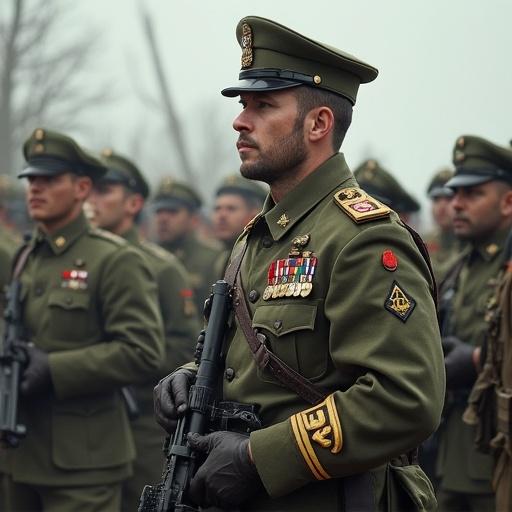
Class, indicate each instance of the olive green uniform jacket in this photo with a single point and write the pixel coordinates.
(199, 258)
(181, 326)
(7, 249)
(384, 373)
(90, 301)
(460, 466)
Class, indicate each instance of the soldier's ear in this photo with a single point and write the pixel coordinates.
(83, 187)
(506, 203)
(319, 124)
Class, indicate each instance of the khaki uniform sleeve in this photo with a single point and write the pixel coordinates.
(133, 345)
(383, 332)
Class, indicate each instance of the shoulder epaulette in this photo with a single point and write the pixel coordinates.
(251, 223)
(360, 206)
(107, 235)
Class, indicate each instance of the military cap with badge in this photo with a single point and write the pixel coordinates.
(50, 153)
(379, 182)
(437, 186)
(276, 57)
(125, 172)
(478, 161)
(173, 195)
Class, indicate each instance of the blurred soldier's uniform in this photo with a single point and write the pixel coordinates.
(490, 401)
(116, 202)
(337, 286)
(176, 205)
(379, 182)
(7, 249)
(91, 315)
(441, 242)
(482, 217)
(237, 201)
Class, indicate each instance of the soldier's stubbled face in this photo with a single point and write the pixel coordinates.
(271, 141)
(481, 210)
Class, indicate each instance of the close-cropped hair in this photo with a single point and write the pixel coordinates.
(309, 98)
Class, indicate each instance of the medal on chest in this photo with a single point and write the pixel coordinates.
(292, 276)
(74, 279)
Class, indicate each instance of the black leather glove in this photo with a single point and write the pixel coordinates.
(170, 398)
(36, 378)
(228, 477)
(449, 343)
(459, 365)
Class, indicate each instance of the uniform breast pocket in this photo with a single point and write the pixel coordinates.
(68, 314)
(290, 329)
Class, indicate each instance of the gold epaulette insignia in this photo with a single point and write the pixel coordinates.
(360, 206)
(318, 427)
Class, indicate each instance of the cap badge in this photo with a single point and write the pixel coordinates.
(283, 220)
(491, 249)
(39, 148)
(246, 46)
(399, 302)
(389, 260)
(107, 152)
(39, 134)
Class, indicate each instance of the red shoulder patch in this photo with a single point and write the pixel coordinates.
(389, 260)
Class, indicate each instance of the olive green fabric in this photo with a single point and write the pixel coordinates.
(436, 187)
(7, 249)
(386, 375)
(444, 249)
(379, 182)
(88, 498)
(478, 160)
(199, 259)
(173, 194)
(277, 57)
(460, 466)
(124, 171)
(236, 184)
(182, 326)
(50, 153)
(102, 330)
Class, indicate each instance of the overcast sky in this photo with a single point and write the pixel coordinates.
(444, 70)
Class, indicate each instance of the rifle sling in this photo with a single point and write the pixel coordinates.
(263, 356)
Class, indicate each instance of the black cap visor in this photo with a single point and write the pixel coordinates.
(172, 204)
(259, 85)
(443, 191)
(47, 167)
(468, 180)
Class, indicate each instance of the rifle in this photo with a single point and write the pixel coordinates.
(202, 415)
(12, 361)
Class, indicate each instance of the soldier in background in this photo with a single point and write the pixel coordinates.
(92, 323)
(379, 182)
(441, 243)
(176, 206)
(237, 201)
(117, 201)
(482, 205)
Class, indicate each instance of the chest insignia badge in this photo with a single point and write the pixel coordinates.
(74, 279)
(291, 277)
(360, 206)
(399, 302)
(283, 221)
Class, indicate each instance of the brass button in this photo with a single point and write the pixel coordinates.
(278, 324)
(230, 374)
(267, 242)
(317, 79)
(60, 241)
(253, 296)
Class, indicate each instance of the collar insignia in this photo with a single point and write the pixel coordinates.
(283, 220)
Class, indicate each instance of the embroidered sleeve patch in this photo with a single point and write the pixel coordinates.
(360, 206)
(318, 427)
(399, 302)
